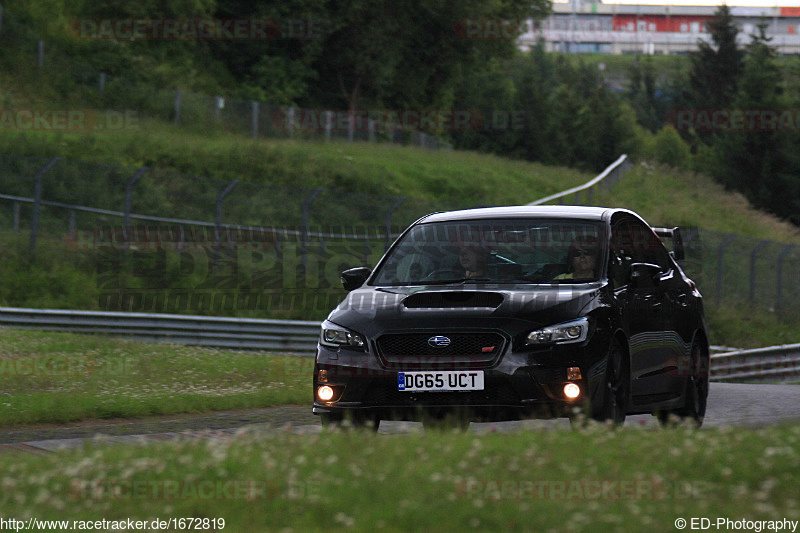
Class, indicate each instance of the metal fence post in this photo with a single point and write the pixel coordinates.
(37, 201)
(371, 128)
(16, 218)
(41, 53)
(177, 106)
(128, 201)
(304, 235)
(102, 82)
(328, 124)
(720, 264)
(366, 250)
(218, 217)
(291, 122)
(779, 275)
(218, 103)
(254, 118)
(351, 127)
(181, 238)
(753, 255)
(72, 225)
(389, 213)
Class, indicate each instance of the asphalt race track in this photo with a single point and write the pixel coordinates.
(729, 404)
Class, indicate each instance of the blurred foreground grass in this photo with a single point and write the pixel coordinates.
(631, 479)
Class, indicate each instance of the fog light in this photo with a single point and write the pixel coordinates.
(322, 377)
(572, 391)
(325, 393)
(573, 373)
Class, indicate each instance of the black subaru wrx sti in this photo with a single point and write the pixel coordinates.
(517, 312)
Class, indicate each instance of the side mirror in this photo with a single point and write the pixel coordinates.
(677, 241)
(355, 277)
(644, 274)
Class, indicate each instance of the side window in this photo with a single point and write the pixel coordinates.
(633, 242)
(648, 248)
(621, 254)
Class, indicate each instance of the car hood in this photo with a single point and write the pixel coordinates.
(373, 310)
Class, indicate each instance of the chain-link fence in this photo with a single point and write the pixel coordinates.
(144, 209)
(739, 270)
(61, 197)
(202, 111)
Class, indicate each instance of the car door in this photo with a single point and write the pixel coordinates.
(677, 332)
(643, 308)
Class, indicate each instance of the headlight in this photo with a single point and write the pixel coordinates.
(339, 337)
(568, 332)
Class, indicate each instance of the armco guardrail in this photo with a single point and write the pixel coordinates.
(287, 336)
(608, 177)
(774, 363)
(299, 337)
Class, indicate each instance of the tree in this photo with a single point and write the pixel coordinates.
(759, 160)
(644, 96)
(407, 53)
(716, 67)
(276, 70)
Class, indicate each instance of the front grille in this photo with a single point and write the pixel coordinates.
(461, 344)
(467, 350)
(386, 394)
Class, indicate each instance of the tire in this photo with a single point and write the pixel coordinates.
(696, 388)
(616, 387)
(695, 393)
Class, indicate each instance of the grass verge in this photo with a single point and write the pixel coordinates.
(369, 168)
(594, 480)
(668, 196)
(63, 377)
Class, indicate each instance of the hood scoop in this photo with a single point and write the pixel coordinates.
(453, 300)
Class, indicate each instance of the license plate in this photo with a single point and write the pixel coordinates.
(452, 380)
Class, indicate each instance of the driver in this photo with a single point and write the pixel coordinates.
(473, 260)
(582, 259)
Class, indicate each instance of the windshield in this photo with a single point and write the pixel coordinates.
(496, 251)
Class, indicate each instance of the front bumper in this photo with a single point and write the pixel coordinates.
(517, 385)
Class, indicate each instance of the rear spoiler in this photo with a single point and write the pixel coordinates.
(674, 234)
